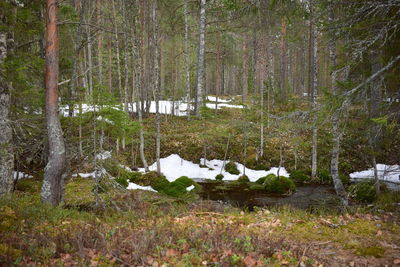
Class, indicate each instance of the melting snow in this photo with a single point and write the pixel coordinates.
(133, 186)
(174, 167)
(21, 175)
(104, 155)
(388, 173)
(190, 188)
(180, 107)
(220, 100)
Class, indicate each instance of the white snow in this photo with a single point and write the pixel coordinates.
(180, 107)
(190, 188)
(93, 174)
(174, 167)
(133, 186)
(21, 175)
(388, 173)
(220, 100)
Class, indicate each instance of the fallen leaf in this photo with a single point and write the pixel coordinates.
(249, 261)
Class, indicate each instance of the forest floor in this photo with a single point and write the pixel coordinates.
(141, 228)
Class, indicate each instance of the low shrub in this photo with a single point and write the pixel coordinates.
(243, 179)
(219, 177)
(278, 185)
(299, 177)
(324, 176)
(231, 168)
(365, 191)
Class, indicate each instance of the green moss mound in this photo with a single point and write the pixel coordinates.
(178, 188)
(219, 177)
(278, 185)
(243, 179)
(299, 177)
(122, 181)
(231, 168)
(256, 186)
(261, 180)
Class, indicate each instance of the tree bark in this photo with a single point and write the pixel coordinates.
(6, 150)
(284, 64)
(201, 58)
(157, 81)
(245, 72)
(53, 184)
(186, 55)
(313, 87)
(339, 188)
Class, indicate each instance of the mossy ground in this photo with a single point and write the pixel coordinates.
(149, 228)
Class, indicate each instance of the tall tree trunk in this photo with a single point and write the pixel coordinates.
(53, 184)
(245, 72)
(283, 60)
(186, 54)
(6, 151)
(139, 73)
(337, 135)
(117, 50)
(313, 87)
(157, 81)
(201, 58)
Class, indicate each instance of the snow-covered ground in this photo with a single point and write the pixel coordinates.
(387, 173)
(174, 167)
(180, 107)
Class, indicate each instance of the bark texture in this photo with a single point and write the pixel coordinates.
(53, 184)
(201, 58)
(6, 151)
(339, 188)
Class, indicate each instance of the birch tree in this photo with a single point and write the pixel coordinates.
(201, 58)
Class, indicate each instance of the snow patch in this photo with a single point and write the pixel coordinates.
(93, 174)
(190, 188)
(180, 108)
(133, 186)
(174, 167)
(387, 173)
(21, 175)
(220, 100)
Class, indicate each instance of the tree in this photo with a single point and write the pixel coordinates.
(6, 151)
(201, 58)
(53, 184)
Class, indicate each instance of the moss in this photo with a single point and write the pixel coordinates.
(261, 180)
(256, 186)
(178, 187)
(219, 177)
(121, 173)
(279, 185)
(299, 177)
(231, 168)
(376, 252)
(28, 185)
(243, 179)
(122, 181)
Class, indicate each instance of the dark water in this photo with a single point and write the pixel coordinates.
(305, 197)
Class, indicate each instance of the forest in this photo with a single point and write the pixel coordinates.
(200, 133)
